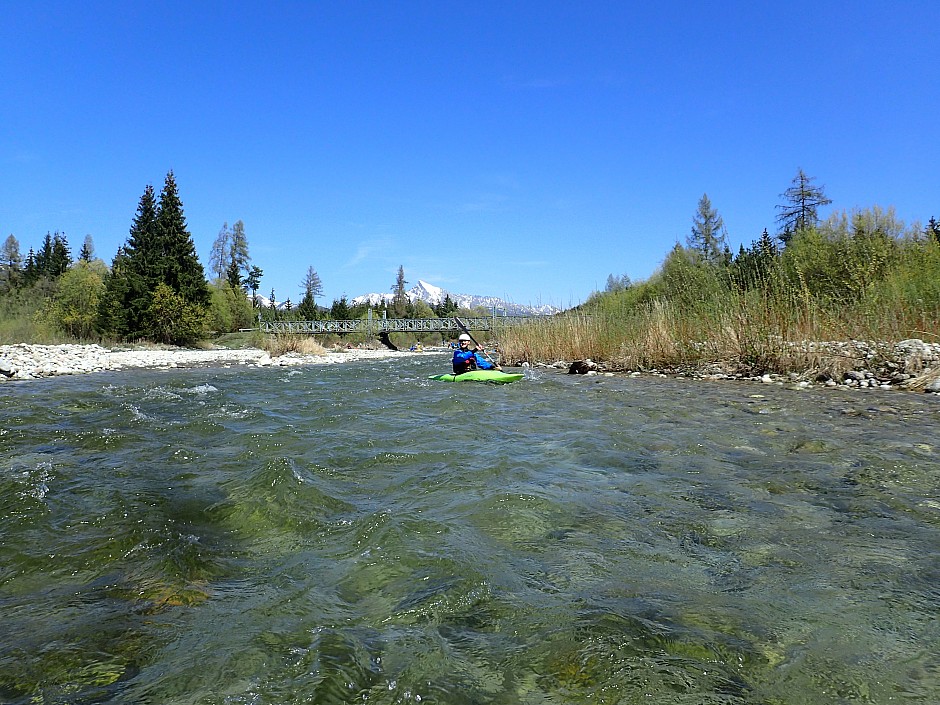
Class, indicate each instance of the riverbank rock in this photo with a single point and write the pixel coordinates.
(582, 367)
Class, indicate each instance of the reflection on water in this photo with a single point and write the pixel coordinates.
(357, 533)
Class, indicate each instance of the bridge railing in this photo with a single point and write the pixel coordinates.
(390, 325)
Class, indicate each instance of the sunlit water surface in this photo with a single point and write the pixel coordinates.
(357, 533)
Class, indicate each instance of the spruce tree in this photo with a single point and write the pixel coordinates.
(44, 255)
(61, 257)
(933, 228)
(124, 309)
(340, 309)
(181, 269)
(113, 317)
(159, 251)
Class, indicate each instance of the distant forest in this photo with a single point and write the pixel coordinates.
(850, 274)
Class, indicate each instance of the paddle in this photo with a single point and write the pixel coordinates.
(467, 331)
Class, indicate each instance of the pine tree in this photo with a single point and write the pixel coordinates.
(340, 309)
(88, 250)
(446, 308)
(708, 238)
(30, 268)
(159, 251)
(181, 269)
(801, 210)
(239, 259)
(752, 267)
(615, 283)
(218, 258)
(933, 228)
(11, 262)
(113, 318)
(312, 288)
(400, 299)
(253, 282)
(44, 255)
(60, 258)
(124, 309)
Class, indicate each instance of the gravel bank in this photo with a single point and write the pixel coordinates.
(26, 362)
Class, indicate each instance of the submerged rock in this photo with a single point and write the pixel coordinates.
(582, 367)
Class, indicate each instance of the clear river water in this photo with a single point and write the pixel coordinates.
(356, 533)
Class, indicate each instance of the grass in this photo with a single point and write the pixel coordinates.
(284, 343)
(701, 321)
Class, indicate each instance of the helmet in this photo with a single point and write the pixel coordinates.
(464, 336)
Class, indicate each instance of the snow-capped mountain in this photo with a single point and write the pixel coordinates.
(433, 295)
(265, 302)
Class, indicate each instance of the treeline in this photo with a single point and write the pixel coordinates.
(862, 275)
(156, 287)
(395, 305)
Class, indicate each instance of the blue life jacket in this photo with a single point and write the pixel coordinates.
(466, 360)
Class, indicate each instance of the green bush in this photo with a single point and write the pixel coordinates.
(173, 319)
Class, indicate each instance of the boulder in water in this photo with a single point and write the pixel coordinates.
(582, 367)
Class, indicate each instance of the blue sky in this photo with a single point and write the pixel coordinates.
(516, 149)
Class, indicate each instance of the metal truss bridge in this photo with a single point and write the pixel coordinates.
(378, 326)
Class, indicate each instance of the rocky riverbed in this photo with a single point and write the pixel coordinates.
(26, 362)
(910, 365)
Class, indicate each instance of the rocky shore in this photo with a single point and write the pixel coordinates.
(27, 362)
(910, 365)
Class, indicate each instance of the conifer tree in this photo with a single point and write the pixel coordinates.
(159, 251)
(61, 256)
(220, 251)
(933, 228)
(708, 238)
(11, 262)
(113, 317)
(253, 282)
(44, 255)
(180, 268)
(400, 299)
(312, 288)
(30, 268)
(340, 309)
(801, 210)
(88, 250)
(238, 270)
(124, 308)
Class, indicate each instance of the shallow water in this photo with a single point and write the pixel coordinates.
(357, 533)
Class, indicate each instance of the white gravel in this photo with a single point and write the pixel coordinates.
(24, 362)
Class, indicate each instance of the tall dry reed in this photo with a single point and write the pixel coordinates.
(283, 343)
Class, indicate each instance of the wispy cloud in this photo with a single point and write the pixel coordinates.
(365, 250)
(484, 202)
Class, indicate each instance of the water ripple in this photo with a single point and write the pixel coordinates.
(359, 533)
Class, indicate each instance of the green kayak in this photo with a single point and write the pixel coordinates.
(494, 376)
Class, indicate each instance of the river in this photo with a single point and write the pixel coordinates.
(358, 533)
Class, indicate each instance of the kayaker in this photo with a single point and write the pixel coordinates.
(467, 358)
